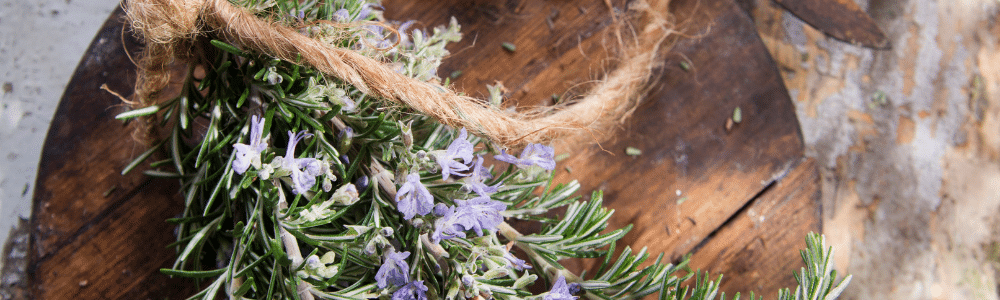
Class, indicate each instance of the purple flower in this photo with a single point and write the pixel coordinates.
(460, 148)
(477, 214)
(415, 290)
(293, 139)
(302, 180)
(404, 39)
(533, 154)
(311, 166)
(575, 288)
(341, 15)
(413, 198)
(482, 213)
(346, 104)
(250, 154)
(516, 263)
(374, 30)
(394, 270)
(560, 291)
(449, 224)
(476, 180)
(366, 11)
(300, 15)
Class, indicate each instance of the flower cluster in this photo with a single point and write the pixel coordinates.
(300, 172)
(456, 163)
(469, 208)
(319, 267)
(479, 214)
(345, 195)
(395, 271)
(358, 214)
(367, 201)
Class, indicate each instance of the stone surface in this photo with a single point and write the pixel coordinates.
(40, 45)
(906, 141)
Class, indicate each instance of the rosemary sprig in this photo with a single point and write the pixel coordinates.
(299, 186)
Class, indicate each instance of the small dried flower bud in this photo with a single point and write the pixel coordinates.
(345, 160)
(361, 183)
(327, 184)
(370, 248)
(574, 288)
(345, 136)
(407, 134)
(328, 272)
(328, 257)
(273, 77)
(265, 172)
(313, 262)
(408, 140)
(342, 15)
(421, 154)
(346, 194)
(525, 281)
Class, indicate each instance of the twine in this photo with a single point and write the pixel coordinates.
(170, 29)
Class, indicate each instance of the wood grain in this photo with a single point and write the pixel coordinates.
(95, 233)
(693, 174)
(116, 243)
(548, 60)
(758, 248)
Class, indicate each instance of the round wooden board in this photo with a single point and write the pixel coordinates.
(741, 200)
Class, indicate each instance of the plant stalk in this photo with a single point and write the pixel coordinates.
(547, 268)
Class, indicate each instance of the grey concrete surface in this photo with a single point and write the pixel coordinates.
(41, 42)
(907, 142)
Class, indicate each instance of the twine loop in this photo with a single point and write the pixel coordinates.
(170, 29)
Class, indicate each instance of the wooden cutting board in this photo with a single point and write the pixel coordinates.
(740, 199)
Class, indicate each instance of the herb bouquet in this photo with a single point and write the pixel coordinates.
(299, 185)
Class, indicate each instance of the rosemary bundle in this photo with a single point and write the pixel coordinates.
(300, 186)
